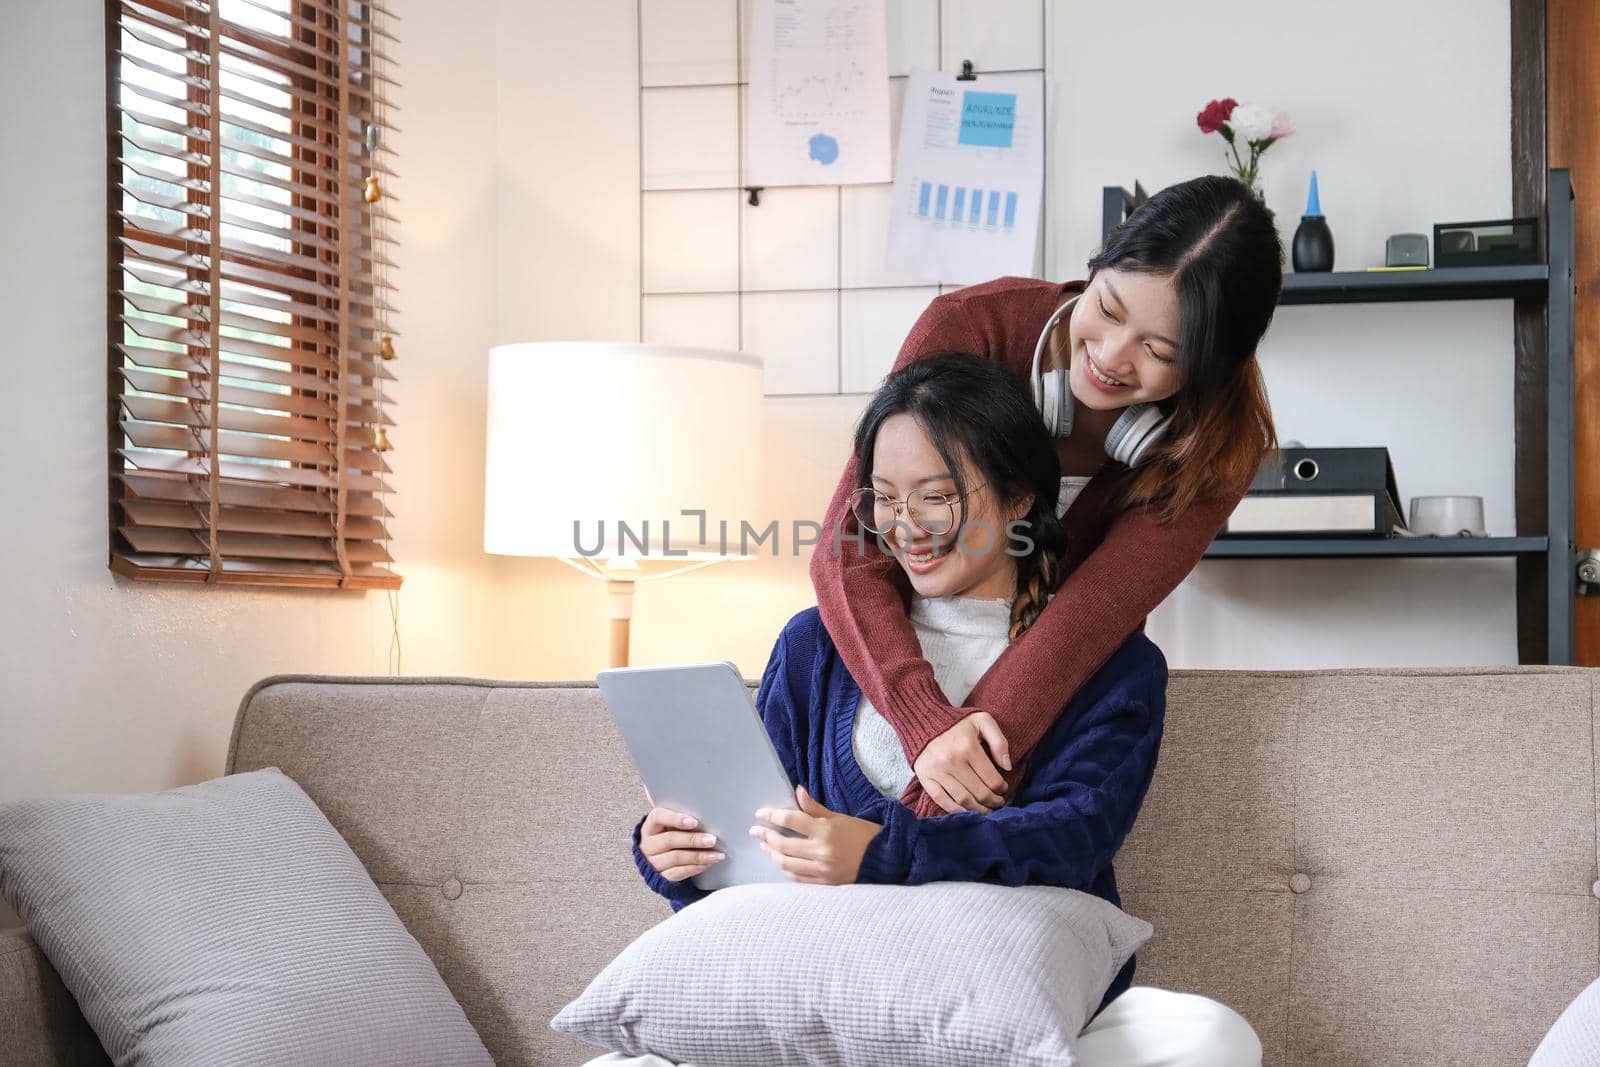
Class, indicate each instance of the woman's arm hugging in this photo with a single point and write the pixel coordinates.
(1079, 801)
(888, 664)
(1098, 605)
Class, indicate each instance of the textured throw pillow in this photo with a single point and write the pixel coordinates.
(226, 922)
(1574, 1040)
(948, 973)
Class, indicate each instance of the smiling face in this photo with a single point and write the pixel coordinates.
(970, 561)
(1122, 336)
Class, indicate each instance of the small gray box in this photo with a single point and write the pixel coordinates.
(1406, 250)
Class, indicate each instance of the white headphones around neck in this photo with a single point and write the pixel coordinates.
(1131, 436)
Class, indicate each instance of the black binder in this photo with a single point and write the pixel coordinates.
(1320, 492)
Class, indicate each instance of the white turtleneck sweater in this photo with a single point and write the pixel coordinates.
(961, 636)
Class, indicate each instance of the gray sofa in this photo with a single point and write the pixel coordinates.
(1373, 867)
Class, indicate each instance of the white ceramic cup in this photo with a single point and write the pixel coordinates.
(1447, 516)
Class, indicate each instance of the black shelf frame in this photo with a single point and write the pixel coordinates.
(1436, 283)
(1551, 284)
(1374, 547)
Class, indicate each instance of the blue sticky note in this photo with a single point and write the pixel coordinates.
(987, 119)
(824, 149)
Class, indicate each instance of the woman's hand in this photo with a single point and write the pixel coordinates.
(830, 852)
(958, 774)
(675, 847)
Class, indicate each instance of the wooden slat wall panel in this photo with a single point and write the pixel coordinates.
(249, 214)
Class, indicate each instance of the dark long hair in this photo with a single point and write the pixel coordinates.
(974, 408)
(1219, 245)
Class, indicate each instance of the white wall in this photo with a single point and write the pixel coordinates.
(519, 221)
(109, 685)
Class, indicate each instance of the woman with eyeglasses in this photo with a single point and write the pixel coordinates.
(1145, 376)
(963, 487)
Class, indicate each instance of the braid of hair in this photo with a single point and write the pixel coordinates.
(1039, 572)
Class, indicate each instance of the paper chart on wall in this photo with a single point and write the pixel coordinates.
(969, 177)
(818, 110)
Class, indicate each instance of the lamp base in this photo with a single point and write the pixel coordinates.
(619, 595)
(621, 575)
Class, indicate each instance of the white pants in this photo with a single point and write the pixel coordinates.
(1144, 1027)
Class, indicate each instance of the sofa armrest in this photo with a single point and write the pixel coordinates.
(39, 1021)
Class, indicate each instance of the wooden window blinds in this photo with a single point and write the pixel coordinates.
(249, 323)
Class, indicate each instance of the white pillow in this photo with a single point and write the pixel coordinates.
(225, 923)
(957, 973)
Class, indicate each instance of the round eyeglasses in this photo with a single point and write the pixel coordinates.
(929, 511)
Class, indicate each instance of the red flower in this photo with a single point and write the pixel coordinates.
(1215, 114)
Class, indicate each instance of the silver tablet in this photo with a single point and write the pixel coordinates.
(700, 746)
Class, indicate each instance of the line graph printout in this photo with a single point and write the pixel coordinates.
(969, 182)
(818, 109)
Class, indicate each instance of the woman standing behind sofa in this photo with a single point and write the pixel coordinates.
(1170, 317)
(962, 481)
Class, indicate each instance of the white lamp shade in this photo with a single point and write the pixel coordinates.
(625, 435)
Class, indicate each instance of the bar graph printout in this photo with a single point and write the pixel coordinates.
(969, 177)
(819, 93)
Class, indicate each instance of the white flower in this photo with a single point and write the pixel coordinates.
(1251, 122)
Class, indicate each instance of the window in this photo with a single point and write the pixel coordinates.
(250, 344)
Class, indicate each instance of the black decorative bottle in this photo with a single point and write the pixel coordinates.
(1313, 241)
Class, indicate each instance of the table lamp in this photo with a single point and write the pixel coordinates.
(604, 454)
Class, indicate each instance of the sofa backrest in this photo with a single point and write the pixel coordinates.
(1373, 867)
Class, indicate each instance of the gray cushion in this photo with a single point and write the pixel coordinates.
(225, 922)
(948, 973)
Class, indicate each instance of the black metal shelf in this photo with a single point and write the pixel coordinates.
(1374, 547)
(1436, 283)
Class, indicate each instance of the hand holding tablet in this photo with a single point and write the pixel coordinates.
(702, 750)
(675, 845)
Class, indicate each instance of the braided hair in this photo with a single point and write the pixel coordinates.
(1038, 572)
(974, 408)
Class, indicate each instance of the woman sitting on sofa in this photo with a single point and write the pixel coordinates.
(961, 487)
